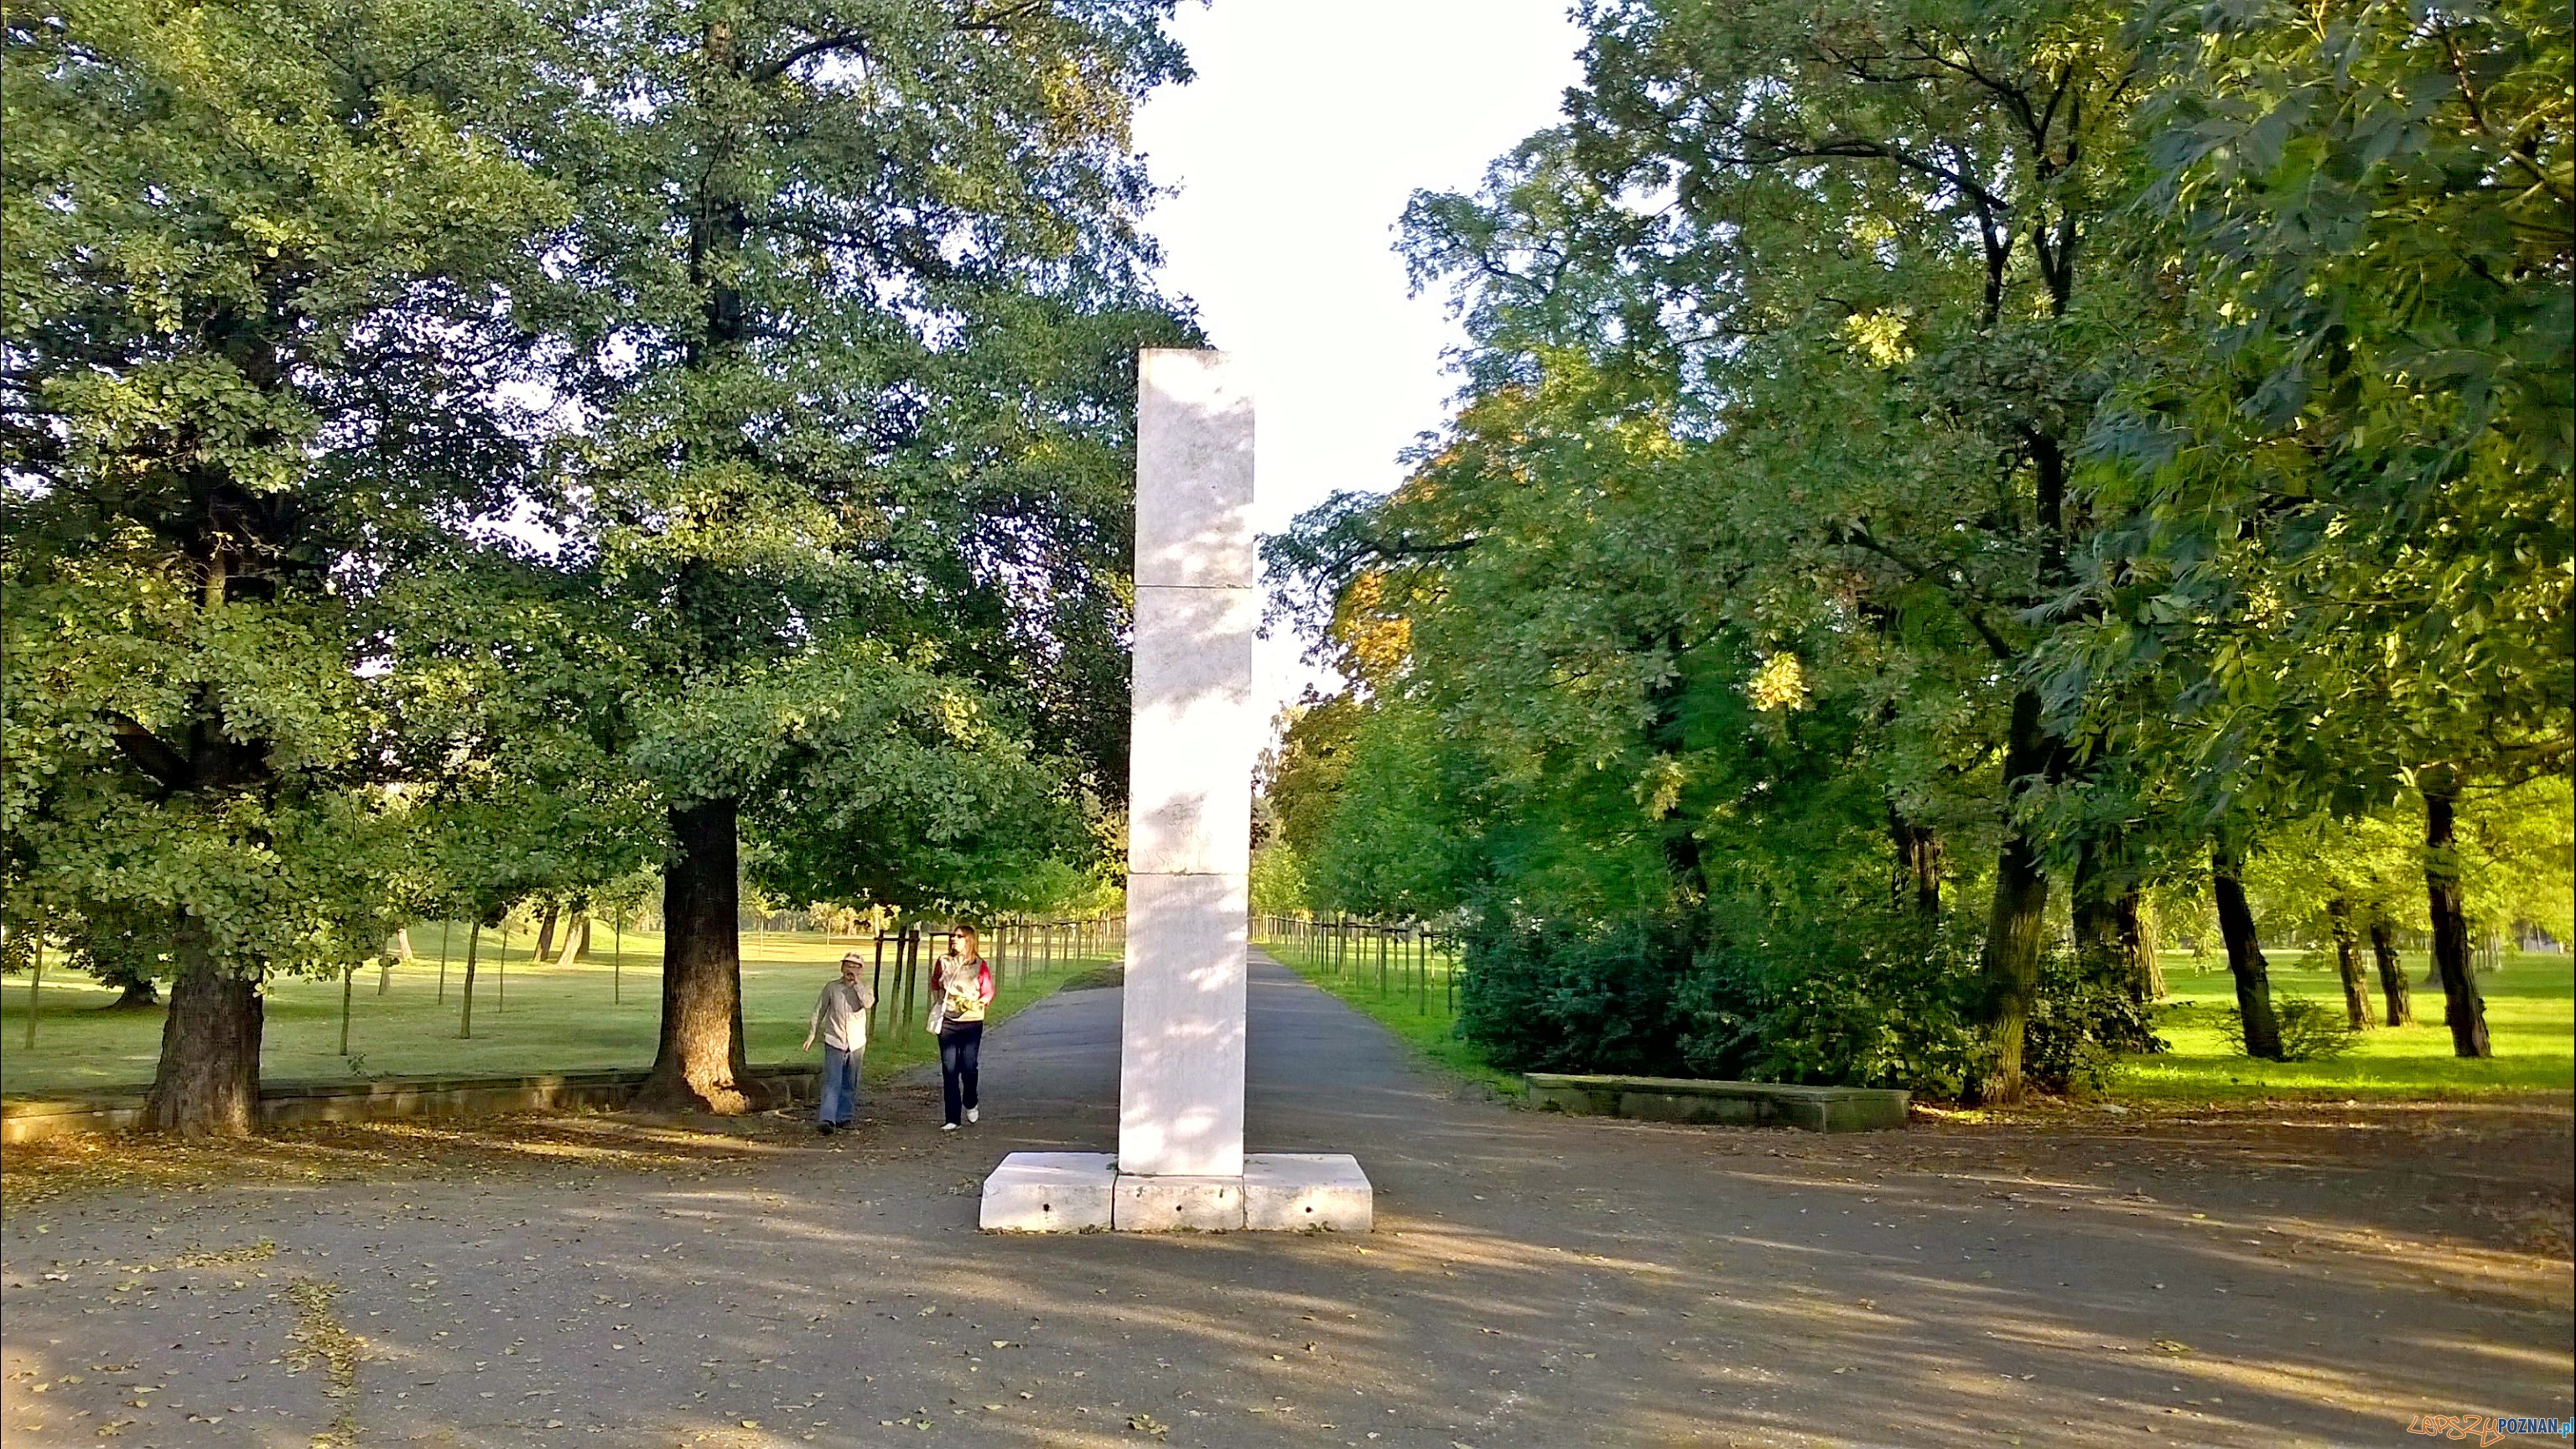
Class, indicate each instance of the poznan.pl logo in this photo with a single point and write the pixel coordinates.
(2487, 1428)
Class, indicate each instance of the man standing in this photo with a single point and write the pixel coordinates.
(841, 1015)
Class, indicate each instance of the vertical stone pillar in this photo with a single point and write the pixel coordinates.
(1180, 1098)
(1180, 1162)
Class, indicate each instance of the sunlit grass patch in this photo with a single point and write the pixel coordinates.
(2531, 1016)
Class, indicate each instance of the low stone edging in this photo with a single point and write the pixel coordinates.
(288, 1104)
(1743, 1104)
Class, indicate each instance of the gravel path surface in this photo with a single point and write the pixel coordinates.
(2281, 1278)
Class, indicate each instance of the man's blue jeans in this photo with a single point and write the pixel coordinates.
(840, 1085)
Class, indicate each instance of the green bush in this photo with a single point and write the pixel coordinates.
(1885, 1005)
(1551, 998)
(2311, 1030)
(2080, 1026)
(1854, 997)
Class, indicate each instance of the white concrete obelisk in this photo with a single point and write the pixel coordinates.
(1180, 1096)
(1180, 1162)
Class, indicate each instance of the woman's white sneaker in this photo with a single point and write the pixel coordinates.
(974, 1114)
(947, 1126)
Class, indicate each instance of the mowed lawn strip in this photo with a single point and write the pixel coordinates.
(556, 1018)
(562, 1018)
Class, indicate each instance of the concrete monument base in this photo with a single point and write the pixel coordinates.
(1073, 1192)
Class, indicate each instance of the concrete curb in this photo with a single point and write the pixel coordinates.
(1747, 1104)
(288, 1104)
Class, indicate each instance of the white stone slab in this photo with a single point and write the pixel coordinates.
(1180, 1086)
(1304, 1191)
(1180, 1090)
(1049, 1192)
(1197, 731)
(1170, 1204)
(1193, 470)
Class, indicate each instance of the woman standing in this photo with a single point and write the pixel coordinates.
(963, 980)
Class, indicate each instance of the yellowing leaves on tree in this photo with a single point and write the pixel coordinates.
(1780, 684)
(1880, 336)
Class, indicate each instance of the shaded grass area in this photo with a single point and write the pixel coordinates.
(598, 1014)
(1421, 1012)
(2531, 1015)
(524, 1145)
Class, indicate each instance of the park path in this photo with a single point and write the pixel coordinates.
(1534, 1280)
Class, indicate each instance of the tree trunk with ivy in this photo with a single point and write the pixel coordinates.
(2010, 965)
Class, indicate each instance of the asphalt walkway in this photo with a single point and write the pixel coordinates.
(1535, 1280)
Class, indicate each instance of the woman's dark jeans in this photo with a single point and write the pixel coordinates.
(960, 1045)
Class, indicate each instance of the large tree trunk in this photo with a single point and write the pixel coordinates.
(576, 945)
(134, 991)
(207, 1084)
(2392, 973)
(2245, 960)
(2009, 967)
(2356, 991)
(2100, 947)
(2111, 943)
(699, 1065)
(2463, 1007)
(545, 934)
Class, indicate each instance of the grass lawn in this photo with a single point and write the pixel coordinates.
(585, 1016)
(1419, 1011)
(2531, 1016)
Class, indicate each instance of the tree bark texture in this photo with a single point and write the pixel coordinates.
(546, 933)
(2010, 964)
(2464, 1008)
(1917, 878)
(2245, 960)
(207, 1084)
(2100, 944)
(699, 1065)
(2392, 973)
(2356, 991)
(2138, 945)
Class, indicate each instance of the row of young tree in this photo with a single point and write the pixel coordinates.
(465, 450)
(1919, 462)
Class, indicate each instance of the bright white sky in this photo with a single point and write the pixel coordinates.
(1292, 155)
